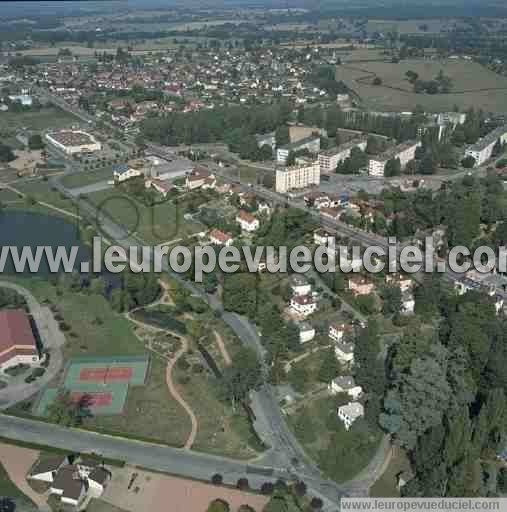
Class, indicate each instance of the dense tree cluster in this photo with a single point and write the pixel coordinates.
(445, 399)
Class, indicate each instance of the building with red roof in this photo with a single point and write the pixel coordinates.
(17, 341)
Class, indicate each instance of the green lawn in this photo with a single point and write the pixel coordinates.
(43, 119)
(339, 453)
(386, 485)
(84, 178)
(95, 328)
(220, 430)
(41, 191)
(161, 223)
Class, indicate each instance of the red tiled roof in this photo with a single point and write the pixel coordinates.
(219, 235)
(15, 329)
(245, 216)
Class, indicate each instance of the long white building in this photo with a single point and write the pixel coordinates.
(330, 158)
(72, 142)
(482, 150)
(405, 152)
(312, 144)
(298, 176)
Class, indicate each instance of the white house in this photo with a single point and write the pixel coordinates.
(122, 172)
(69, 486)
(218, 237)
(403, 282)
(98, 480)
(408, 302)
(303, 305)
(299, 285)
(345, 384)
(350, 413)
(344, 352)
(306, 332)
(247, 221)
(322, 237)
(337, 330)
(46, 469)
(359, 285)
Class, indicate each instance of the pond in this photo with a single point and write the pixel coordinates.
(32, 229)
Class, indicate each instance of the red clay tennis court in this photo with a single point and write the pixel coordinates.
(106, 374)
(94, 398)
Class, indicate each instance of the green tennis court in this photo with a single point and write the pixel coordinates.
(100, 383)
(128, 369)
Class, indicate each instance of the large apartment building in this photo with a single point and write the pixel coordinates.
(482, 150)
(330, 158)
(405, 152)
(312, 144)
(301, 175)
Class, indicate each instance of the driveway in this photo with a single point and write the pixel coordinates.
(52, 339)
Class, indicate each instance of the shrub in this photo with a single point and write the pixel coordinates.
(242, 484)
(267, 488)
(217, 479)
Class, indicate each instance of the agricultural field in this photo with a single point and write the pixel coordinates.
(423, 26)
(472, 85)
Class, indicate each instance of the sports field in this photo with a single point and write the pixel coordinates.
(472, 85)
(101, 384)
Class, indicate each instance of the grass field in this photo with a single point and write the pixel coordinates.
(154, 225)
(96, 330)
(47, 117)
(220, 431)
(84, 178)
(356, 446)
(41, 191)
(409, 26)
(385, 486)
(473, 85)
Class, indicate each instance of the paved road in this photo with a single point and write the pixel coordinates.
(90, 189)
(52, 340)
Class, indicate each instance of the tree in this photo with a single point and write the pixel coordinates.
(392, 303)
(35, 142)
(218, 506)
(65, 411)
(242, 376)
(6, 153)
(98, 286)
(242, 484)
(329, 368)
(282, 135)
(298, 377)
(217, 479)
(468, 162)
(276, 504)
(392, 168)
(300, 488)
(377, 81)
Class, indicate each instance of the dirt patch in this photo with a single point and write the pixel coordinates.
(17, 462)
(155, 492)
